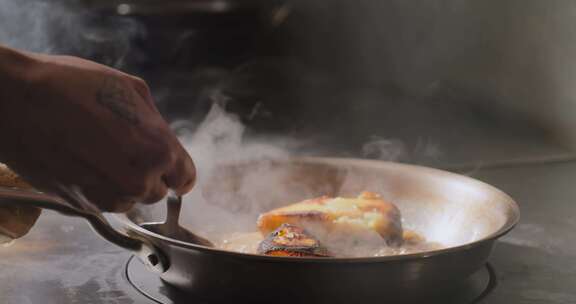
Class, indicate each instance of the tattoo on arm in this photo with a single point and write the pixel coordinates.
(117, 99)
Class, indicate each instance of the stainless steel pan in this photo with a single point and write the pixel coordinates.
(464, 214)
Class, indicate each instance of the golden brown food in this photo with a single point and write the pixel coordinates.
(10, 179)
(248, 242)
(15, 221)
(366, 226)
(289, 240)
(412, 238)
(368, 212)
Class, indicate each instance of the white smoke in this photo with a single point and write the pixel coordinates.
(384, 149)
(216, 205)
(62, 27)
(390, 149)
(238, 179)
(220, 138)
(220, 203)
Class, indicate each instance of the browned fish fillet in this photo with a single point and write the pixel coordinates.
(289, 240)
(367, 212)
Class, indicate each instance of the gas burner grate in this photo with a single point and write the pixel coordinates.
(474, 291)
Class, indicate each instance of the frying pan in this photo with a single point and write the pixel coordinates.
(464, 214)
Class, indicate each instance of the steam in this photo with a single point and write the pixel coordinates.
(59, 27)
(227, 201)
(348, 242)
(385, 149)
(220, 138)
(215, 205)
(219, 203)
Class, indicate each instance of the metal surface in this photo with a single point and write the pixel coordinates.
(139, 246)
(476, 214)
(470, 291)
(171, 227)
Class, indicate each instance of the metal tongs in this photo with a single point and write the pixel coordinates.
(171, 227)
(76, 205)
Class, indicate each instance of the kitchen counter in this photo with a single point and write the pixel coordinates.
(63, 261)
(536, 262)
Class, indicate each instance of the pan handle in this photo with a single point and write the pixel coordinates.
(150, 255)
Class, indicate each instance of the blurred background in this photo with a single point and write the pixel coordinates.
(445, 83)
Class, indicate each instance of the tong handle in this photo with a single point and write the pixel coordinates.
(174, 205)
(147, 253)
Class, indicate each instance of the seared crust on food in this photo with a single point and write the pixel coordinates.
(15, 220)
(10, 179)
(411, 237)
(289, 240)
(366, 212)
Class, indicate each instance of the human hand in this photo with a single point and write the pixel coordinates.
(72, 122)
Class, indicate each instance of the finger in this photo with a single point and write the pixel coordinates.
(95, 186)
(120, 206)
(182, 176)
(156, 193)
(109, 202)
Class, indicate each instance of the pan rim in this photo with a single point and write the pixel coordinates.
(513, 218)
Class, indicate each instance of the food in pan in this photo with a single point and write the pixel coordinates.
(289, 240)
(11, 180)
(367, 225)
(367, 212)
(15, 220)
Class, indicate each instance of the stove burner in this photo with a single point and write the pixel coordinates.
(473, 291)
